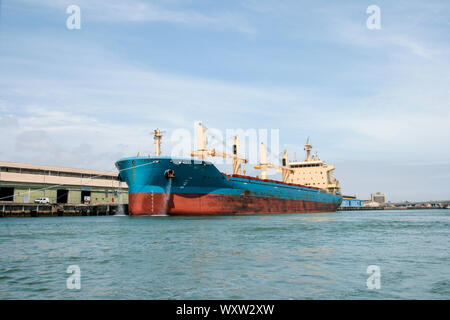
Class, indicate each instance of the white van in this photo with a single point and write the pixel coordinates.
(42, 200)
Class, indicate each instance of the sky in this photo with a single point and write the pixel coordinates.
(375, 103)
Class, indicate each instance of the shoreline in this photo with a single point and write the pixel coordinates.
(388, 208)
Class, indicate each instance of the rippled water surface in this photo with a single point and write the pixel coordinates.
(296, 256)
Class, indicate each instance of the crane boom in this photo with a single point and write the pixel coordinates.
(203, 151)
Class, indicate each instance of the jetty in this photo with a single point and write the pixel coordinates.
(59, 210)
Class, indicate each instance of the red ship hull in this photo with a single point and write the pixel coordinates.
(144, 204)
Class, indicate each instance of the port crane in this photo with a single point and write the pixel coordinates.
(203, 151)
(264, 164)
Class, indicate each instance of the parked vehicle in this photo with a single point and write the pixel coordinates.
(42, 200)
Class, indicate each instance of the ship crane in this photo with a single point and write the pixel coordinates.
(203, 151)
(264, 164)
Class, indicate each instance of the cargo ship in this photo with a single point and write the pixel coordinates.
(160, 185)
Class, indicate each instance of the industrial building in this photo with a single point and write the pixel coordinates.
(378, 197)
(24, 183)
(351, 201)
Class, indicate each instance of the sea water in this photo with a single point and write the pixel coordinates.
(292, 256)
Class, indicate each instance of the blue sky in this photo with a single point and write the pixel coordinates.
(374, 102)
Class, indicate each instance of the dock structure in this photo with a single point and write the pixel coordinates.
(434, 204)
(54, 210)
(25, 183)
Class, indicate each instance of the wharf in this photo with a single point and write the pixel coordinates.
(59, 210)
(390, 208)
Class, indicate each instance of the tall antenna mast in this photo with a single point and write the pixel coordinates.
(308, 148)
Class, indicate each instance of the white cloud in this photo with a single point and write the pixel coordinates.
(126, 104)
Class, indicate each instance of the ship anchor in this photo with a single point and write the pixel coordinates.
(169, 174)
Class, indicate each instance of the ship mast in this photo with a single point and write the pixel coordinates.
(157, 136)
(308, 148)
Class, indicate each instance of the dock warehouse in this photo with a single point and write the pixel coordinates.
(351, 201)
(24, 183)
